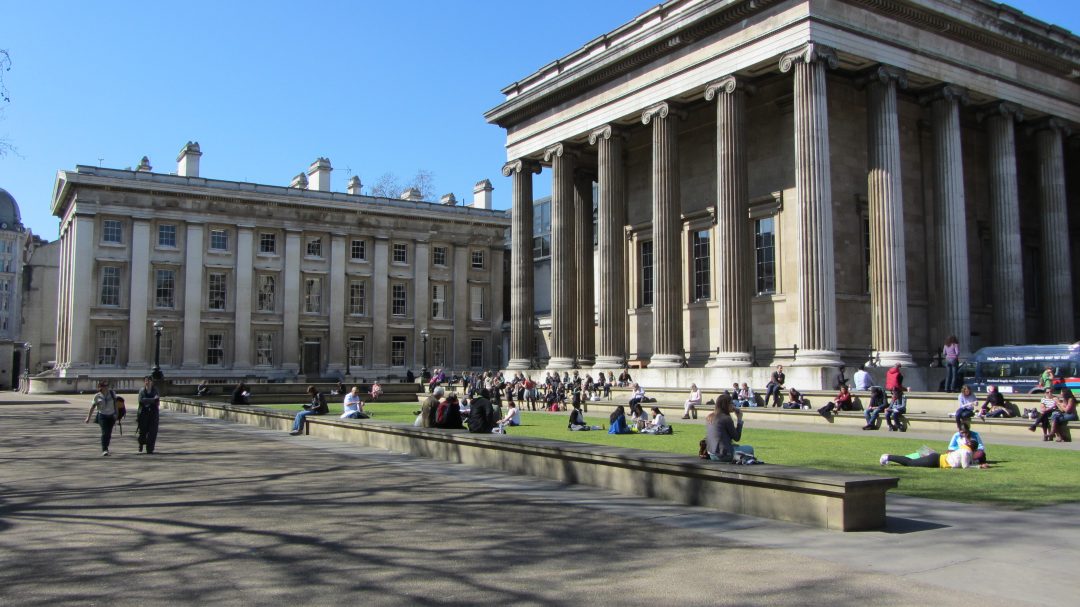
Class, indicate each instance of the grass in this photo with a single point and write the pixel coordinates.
(1019, 477)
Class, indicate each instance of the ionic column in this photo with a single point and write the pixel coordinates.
(583, 262)
(522, 338)
(563, 284)
(733, 288)
(813, 203)
(667, 313)
(245, 250)
(888, 272)
(611, 217)
(1057, 300)
(1007, 256)
(138, 293)
(193, 293)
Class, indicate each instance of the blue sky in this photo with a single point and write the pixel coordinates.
(266, 87)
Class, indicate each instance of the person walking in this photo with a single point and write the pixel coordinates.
(105, 403)
(148, 416)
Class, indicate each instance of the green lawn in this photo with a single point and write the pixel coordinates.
(1019, 477)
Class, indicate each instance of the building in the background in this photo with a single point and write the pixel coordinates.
(39, 294)
(257, 280)
(825, 181)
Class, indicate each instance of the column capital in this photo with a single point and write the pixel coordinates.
(560, 150)
(661, 110)
(1000, 108)
(809, 53)
(728, 85)
(948, 92)
(1050, 123)
(605, 133)
(884, 74)
(521, 165)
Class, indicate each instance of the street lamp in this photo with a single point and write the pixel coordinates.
(26, 369)
(423, 338)
(157, 374)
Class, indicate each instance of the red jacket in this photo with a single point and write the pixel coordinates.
(893, 379)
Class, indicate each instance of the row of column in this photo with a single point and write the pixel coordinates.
(572, 301)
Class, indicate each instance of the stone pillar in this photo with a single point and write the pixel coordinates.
(952, 244)
(460, 293)
(82, 291)
(495, 304)
(193, 296)
(421, 307)
(380, 304)
(611, 242)
(563, 309)
(290, 329)
(813, 203)
(139, 295)
(245, 251)
(733, 285)
(339, 301)
(888, 270)
(522, 336)
(1057, 300)
(667, 313)
(1007, 256)
(585, 297)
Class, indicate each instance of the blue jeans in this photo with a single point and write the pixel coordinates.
(952, 376)
(893, 417)
(106, 422)
(1057, 417)
(299, 421)
(871, 415)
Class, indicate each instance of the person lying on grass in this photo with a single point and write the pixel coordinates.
(960, 458)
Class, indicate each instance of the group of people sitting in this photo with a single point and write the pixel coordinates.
(639, 421)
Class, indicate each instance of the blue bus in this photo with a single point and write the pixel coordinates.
(1016, 369)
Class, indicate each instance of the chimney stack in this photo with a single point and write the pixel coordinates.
(187, 162)
(482, 194)
(144, 165)
(355, 185)
(448, 199)
(299, 182)
(319, 174)
(412, 194)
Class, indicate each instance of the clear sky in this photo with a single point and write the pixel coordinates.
(266, 87)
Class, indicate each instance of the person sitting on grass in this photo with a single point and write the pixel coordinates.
(897, 409)
(692, 403)
(656, 424)
(512, 417)
(842, 402)
(978, 449)
(354, 405)
(967, 402)
(577, 420)
(617, 422)
(638, 416)
(722, 431)
(316, 407)
(875, 408)
(448, 413)
(482, 417)
(958, 458)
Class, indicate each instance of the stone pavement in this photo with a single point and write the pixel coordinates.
(235, 515)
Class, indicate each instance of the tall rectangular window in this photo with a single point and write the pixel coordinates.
(358, 250)
(356, 351)
(765, 254)
(267, 290)
(313, 296)
(478, 259)
(112, 231)
(647, 273)
(476, 352)
(264, 348)
(108, 347)
(397, 351)
(438, 351)
(357, 298)
(166, 235)
(542, 230)
(401, 253)
(399, 301)
(219, 240)
(268, 243)
(168, 338)
(110, 286)
(702, 277)
(314, 247)
(438, 301)
(476, 303)
(438, 256)
(215, 349)
(215, 291)
(165, 289)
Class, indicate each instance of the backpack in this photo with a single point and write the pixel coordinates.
(440, 414)
(121, 409)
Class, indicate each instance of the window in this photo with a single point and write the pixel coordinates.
(438, 256)
(215, 291)
(219, 240)
(438, 351)
(542, 230)
(399, 302)
(264, 348)
(438, 301)
(358, 250)
(476, 303)
(476, 352)
(215, 349)
(112, 231)
(313, 296)
(401, 253)
(166, 235)
(164, 289)
(356, 351)
(397, 351)
(765, 254)
(478, 259)
(110, 286)
(357, 298)
(268, 243)
(108, 346)
(701, 265)
(314, 247)
(267, 289)
(167, 339)
(647, 273)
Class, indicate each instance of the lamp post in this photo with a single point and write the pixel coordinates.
(157, 374)
(26, 369)
(423, 338)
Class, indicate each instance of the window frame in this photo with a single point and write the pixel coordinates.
(211, 336)
(220, 234)
(165, 245)
(436, 253)
(264, 348)
(158, 273)
(313, 295)
(314, 243)
(477, 259)
(358, 298)
(701, 264)
(356, 359)
(222, 288)
(399, 291)
(266, 238)
(110, 227)
(358, 245)
(398, 348)
(114, 289)
(474, 355)
(647, 288)
(403, 249)
(102, 346)
(260, 295)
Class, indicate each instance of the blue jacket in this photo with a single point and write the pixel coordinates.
(619, 426)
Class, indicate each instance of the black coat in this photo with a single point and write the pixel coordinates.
(481, 416)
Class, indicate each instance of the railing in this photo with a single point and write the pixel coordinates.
(772, 354)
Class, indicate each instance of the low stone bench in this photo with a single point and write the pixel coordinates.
(821, 498)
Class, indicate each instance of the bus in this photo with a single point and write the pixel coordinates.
(1016, 369)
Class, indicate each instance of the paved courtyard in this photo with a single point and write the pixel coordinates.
(235, 515)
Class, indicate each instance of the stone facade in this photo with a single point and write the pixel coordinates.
(251, 280)
(853, 179)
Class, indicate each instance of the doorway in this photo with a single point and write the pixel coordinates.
(311, 355)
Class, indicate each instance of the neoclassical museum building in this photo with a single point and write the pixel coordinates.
(273, 282)
(813, 182)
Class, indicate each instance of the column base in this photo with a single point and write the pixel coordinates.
(729, 359)
(560, 362)
(888, 359)
(586, 362)
(609, 362)
(816, 358)
(665, 361)
(519, 364)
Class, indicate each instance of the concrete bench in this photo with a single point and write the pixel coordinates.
(826, 499)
